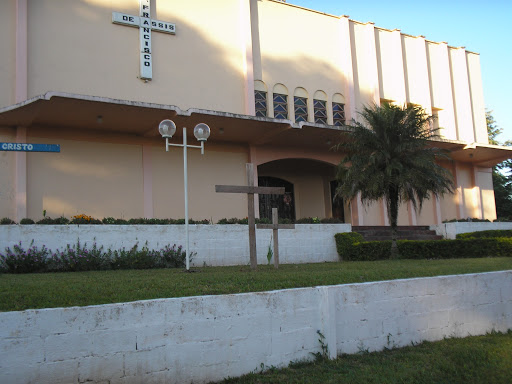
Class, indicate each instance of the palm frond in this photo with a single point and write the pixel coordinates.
(389, 155)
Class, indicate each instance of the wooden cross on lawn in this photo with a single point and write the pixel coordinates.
(275, 226)
(250, 189)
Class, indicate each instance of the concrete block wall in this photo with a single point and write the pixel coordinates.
(214, 245)
(450, 230)
(199, 339)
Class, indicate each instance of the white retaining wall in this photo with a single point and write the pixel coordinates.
(214, 244)
(198, 339)
(450, 230)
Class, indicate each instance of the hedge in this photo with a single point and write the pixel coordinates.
(84, 219)
(486, 234)
(353, 248)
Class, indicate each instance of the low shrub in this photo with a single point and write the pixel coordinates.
(48, 220)
(356, 250)
(19, 260)
(345, 243)
(486, 234)
(308, 220)
(224, 221)
(205, 221)
(111, 220)
(304, 220)
(502, 220)
(82, 258)
(467, 220)
(316, 220)
(331, 220)
(78, 258)
(84, 219)
(144, 258)
(145, 221)
(371, 251)
(245, 220)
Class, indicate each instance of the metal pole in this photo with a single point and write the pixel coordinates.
(185, 182)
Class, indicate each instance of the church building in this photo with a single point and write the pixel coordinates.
(84, 85)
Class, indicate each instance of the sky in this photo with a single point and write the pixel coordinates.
(480, 26)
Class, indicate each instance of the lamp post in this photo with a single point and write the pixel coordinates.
(167, 128)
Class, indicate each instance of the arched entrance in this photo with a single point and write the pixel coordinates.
(285, 204)
(310, 187)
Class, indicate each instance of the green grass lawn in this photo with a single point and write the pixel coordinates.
(49, 290)
(472, 360)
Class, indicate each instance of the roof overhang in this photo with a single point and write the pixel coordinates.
(481, 155)
(73, 112)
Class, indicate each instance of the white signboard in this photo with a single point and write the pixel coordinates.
(145, 24)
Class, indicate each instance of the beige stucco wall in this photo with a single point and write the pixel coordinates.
(364, 63)
(205, 60)
(462, 98)
(95, 178)
(370, 213)
(427, 214)
(477, 97)
(309, 197)
(486, 191)
(8, 49)
(441, 88)
(390, 64)
(404, 215)
(464, 183)
(296, 56)
(104, 178)
(198, 67)
(7, 175)
(415, 65)
(222, 165)
(210, 60)
(449, 203)
(449, 207)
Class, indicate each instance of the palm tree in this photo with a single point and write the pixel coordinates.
(390, 156)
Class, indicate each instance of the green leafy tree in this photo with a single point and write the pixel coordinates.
(390, 156)
(492, 128)
(501, 173)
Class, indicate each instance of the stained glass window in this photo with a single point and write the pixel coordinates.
(280, 106)
(320, 108)
(260, 99)
(301, 109)
(338, 114)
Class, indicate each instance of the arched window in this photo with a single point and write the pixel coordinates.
(260, 98)
(300, 104)
(338, 109)
(320, 107)
(280, 100)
